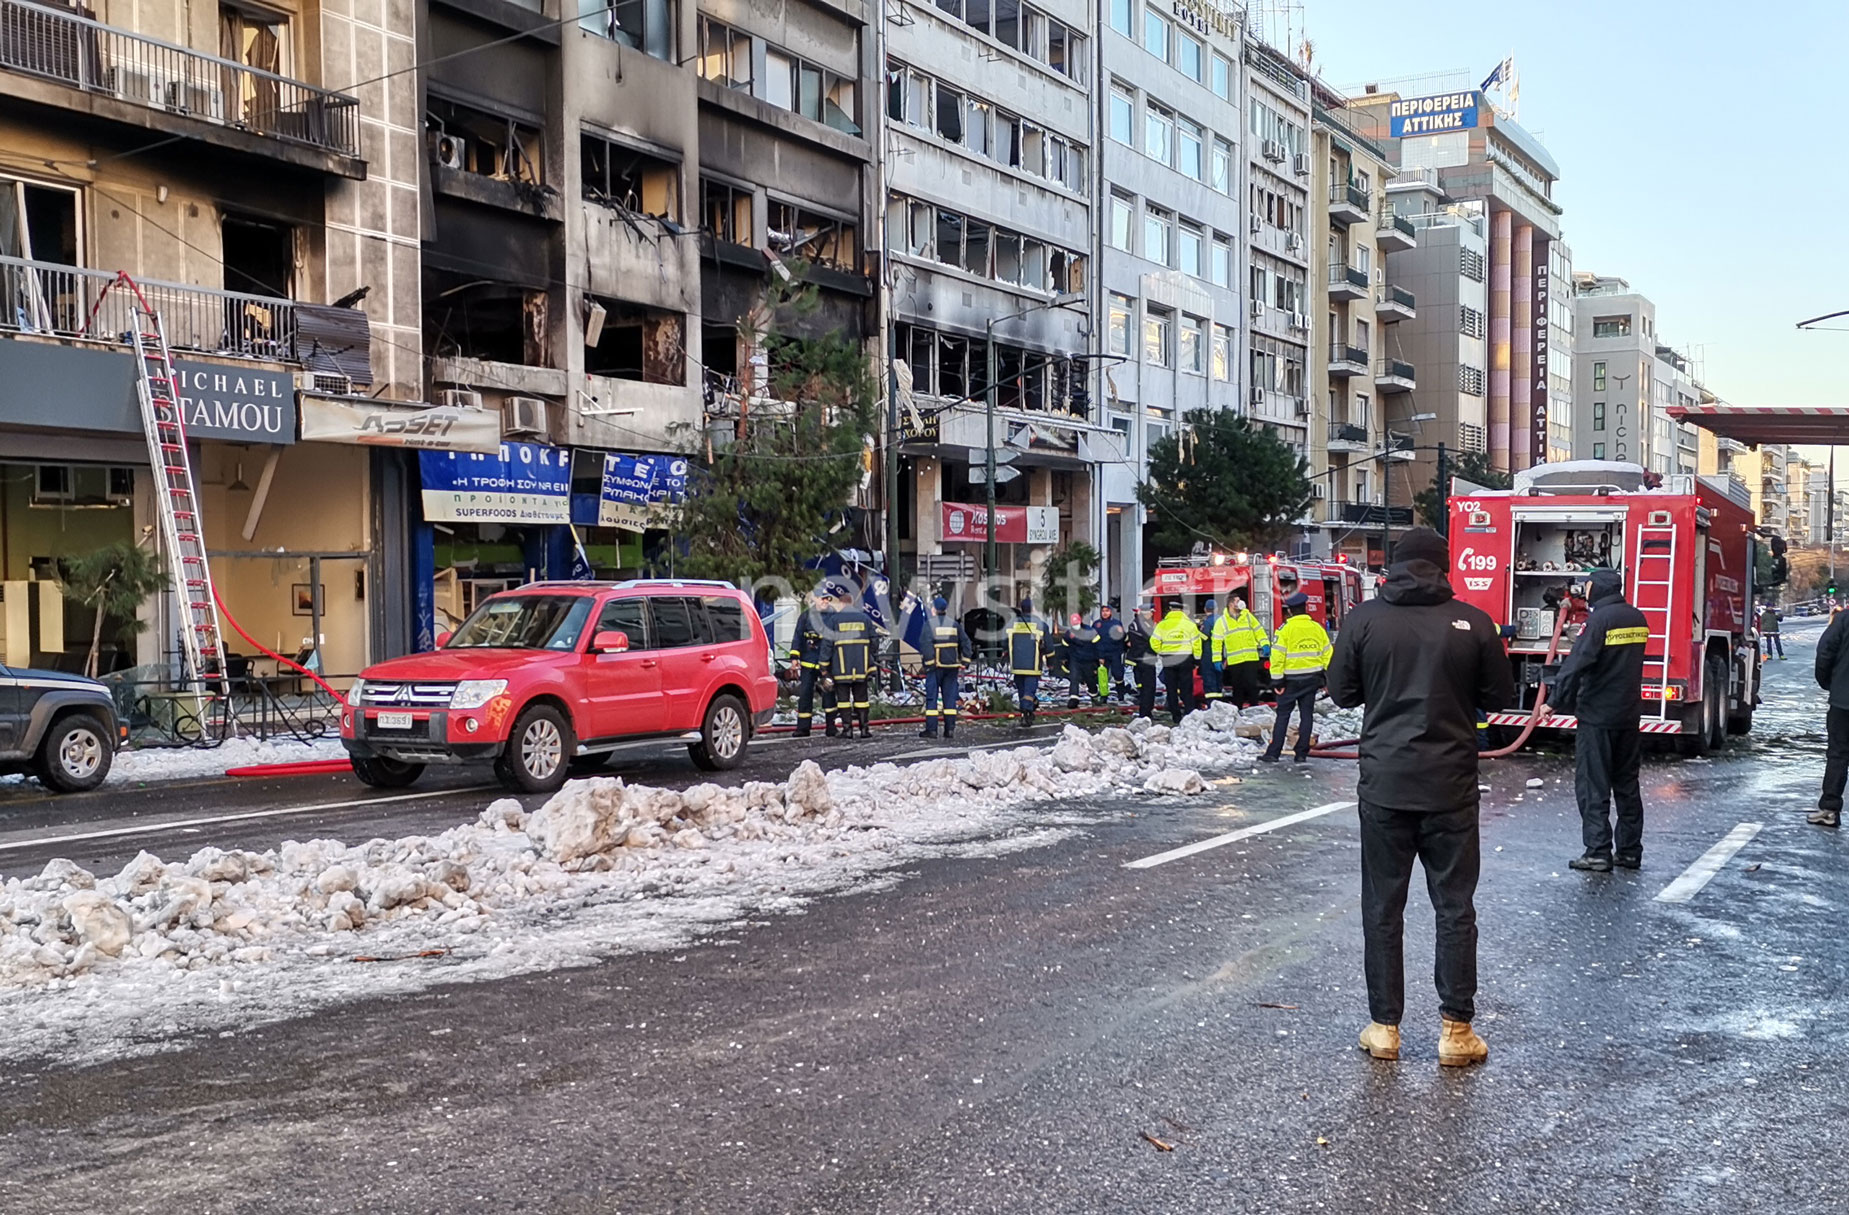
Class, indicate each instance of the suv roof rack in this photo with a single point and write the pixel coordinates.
(715, 582)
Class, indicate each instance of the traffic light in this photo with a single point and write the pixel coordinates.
(1829, 588)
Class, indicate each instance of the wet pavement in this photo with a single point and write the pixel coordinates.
(1015, 1033)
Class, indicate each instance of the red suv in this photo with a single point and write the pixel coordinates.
(557, 672)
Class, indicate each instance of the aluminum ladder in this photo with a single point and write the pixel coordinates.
(1653, 593)
(176, 494)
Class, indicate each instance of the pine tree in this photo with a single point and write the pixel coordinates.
(1225, 481)
(762, 505)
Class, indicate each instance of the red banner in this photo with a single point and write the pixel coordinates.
(1013, 524)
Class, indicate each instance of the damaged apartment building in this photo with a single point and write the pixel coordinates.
(253, 167)
(607, 200)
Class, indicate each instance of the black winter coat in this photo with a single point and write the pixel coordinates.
(1833, 660)
(1424, 665)
(1602, 680)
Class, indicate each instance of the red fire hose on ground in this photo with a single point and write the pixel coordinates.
(1573, 610)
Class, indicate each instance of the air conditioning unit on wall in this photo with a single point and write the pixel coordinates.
(1258, 310)
(452, 151)
(1319, 489)
(523, 416)
(1301, 164)
(458, 398)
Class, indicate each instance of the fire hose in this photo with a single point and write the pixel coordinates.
(1573, 610)
(269, 653)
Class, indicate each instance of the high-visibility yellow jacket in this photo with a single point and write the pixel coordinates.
(1302, 648)
(1237, 638)
(1176, 634)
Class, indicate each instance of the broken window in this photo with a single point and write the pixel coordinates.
(920, 352)
(955, 376)
(810, 90)
(1032, 152)
(725, 55)
(617, 176)
(1008, 23)
(489, 145)
(921, 240)
(1010, 379)
(645, 25)
(950, 238)
(950, 114)
(639, 343)
(719, 350)
(796, 231)
(976, 247)
(1007, 257)
(728, 211)
(1033, 264)
(468, 317)
(976, 127)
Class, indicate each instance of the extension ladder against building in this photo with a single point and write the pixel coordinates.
(1653, 593)
(176, 494)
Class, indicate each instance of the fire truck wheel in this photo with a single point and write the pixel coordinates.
(1692, 743)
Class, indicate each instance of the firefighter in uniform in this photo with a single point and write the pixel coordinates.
(1299, 657)
(1237, 636)
(1110, 632)
(1602, 681)
(1143, 660)
(806, 653)
(1176, 642)
(949, 648)
(1082, 660)
(848, 651)
(1027, 646)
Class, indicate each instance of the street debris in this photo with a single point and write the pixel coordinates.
(1160, 1145)
(1263, 1004)
(91, 966)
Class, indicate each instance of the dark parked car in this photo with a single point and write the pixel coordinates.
(60, 728)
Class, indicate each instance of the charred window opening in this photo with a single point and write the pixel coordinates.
(488, 145)
(796, 232)
(639, 343)
(258, 256)
(495, 322)
(617, 176)
(728, 211)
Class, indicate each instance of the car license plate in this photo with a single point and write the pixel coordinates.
(396, 721)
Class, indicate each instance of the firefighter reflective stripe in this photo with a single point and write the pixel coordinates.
(946, 647)
(1024, 645)
(1302, 648)
(851, 651)
(1636, 635)
(1176, 634)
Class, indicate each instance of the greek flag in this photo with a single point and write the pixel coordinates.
(1503, 73)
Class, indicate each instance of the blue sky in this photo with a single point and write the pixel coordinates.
(1703, 149)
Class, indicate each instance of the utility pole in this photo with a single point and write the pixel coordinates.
(1444, 494)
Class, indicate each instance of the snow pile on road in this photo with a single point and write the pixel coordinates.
(92, 965)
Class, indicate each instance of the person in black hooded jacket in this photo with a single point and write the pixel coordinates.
(1602, 683)
(1424, 665)
(1832, 671)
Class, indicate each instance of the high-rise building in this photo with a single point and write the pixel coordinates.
(990, 177)
(1277, 169)
(1479, 155)
(1173, 224)
(1364, 382)
(1557, 366)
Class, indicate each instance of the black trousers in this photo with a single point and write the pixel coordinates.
(854, 703)
(1145, 688)
(1836, 761)
(1084, 680)
(1298, 696)
(1446, 845)
(1242, 683)
(1179, 680)
(1607, 760)
(805, 700)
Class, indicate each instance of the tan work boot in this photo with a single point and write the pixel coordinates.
(1459, 1045)
(1381, 1041)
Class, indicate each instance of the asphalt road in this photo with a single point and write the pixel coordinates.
(1006, 1034)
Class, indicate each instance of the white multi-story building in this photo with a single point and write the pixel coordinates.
(1277, 168)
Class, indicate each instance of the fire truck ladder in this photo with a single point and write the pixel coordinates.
(1652, 593)
(177, 495)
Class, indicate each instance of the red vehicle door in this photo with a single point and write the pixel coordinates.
(621, 689)
(677, 629)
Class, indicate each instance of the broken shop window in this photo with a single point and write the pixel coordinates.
(624, 179)
(798, 232)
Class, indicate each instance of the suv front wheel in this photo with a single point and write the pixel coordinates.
(382, 773)
(723, 734)
(538, 749)
(74, 756)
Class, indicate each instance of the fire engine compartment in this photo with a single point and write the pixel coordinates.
(1553, 556)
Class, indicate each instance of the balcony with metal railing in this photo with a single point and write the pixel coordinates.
(1347, 437)
(1349, 204)
(1371, 514)
(1394, 233)
(1346, 361)
(1395, 375)
(56, 57)
(44, 299)
(1347, 283)
(1393, 304)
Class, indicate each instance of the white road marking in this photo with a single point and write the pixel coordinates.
(1708, 864)
(1163, 858)
(187, 824)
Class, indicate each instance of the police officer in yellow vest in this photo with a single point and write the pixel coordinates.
(1299, 659)
(1027, 646)
(947, 648)
(1176, 642)
(1237, 636)
(806, 653)
(848, 651)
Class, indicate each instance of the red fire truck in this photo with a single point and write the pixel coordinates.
(1333, 587)
(1685, 549)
